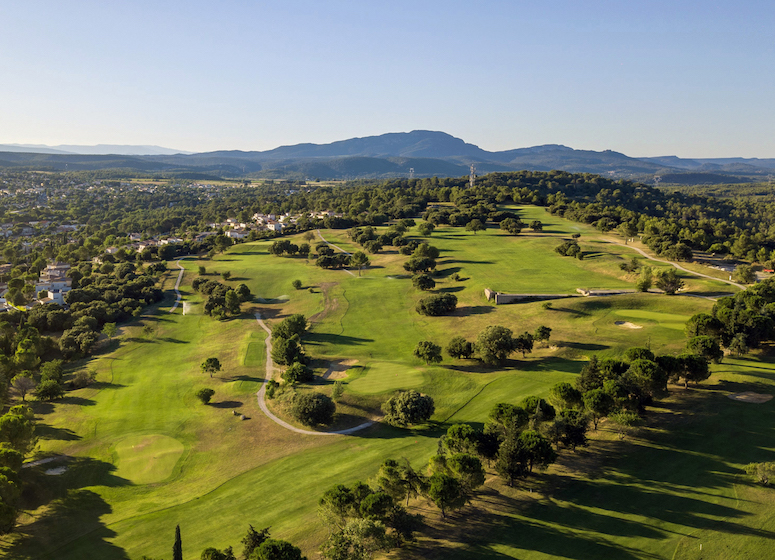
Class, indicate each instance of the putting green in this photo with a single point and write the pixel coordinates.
(666, 320)
(378, 377)
(147, 458)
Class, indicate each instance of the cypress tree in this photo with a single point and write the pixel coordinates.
(177, 548)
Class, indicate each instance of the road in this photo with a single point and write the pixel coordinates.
(679, 267)
(178, 297)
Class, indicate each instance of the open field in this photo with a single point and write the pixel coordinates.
(147, 456)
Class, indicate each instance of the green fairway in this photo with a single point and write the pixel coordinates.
(147, 455)
(379, 377)
(144, 459)
(667, 320)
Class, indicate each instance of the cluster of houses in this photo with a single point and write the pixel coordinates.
(28, 229)
(51, 287)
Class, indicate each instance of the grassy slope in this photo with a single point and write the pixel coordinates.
(232, 473)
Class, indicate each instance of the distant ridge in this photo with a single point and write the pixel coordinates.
(424, 153)
(98, 149)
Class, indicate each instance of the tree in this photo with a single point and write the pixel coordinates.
(313, 408)
(536, 450)
(276, 549)
(290, 326)
(565, 395)
(693, 368)
(542, 334)
(359, 259)
(744, 274)
(205, 394)
(17, 428)
(23, 384)
(358, 540)
(425, 229)
(738, 345)
(669, 281)
(298, 373)
(475, 226)
(438, 304)
(645, 280)
(536, 226)
(202, 271)
(408, 407)
(706, 347)
(509, 462)
(524, 343)
(49, 390)
(232, 302)
(427, 351)
(703, 324)
(297, 284)
(468, 470)
(211, 366)
(177, 548)
(461, 438)
(512, 226)
(423, 282)
(226, 275)
(109, 330)
(446, 492)
(494, 344)
(211, 553)
(459, 347)
(419, 264)
(243, 292)
(252, 540)
(286, 351)
(599, 404)
(372, 246)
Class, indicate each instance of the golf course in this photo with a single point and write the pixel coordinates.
(138, 454)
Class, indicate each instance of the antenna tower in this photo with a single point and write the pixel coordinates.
(411, 172)
(472, 178)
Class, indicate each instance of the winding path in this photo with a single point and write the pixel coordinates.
(679, 267)
(323, 239)
(178, 297)
(262, 393)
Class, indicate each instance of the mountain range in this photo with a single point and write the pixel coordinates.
(421, 153)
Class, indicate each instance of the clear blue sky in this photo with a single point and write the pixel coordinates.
(646, 78)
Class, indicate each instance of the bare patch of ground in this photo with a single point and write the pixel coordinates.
(627, 325)
(330, 305)
(750, 397)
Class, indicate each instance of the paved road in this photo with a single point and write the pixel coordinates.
(679, 267)
(262, 393)
(178, 297)
(335, 247)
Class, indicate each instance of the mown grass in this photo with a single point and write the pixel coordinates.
(232, 473)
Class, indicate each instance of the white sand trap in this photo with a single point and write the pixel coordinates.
(38, 462)
(627, 325)
(750, 397)
(56, 471)
(185, 307)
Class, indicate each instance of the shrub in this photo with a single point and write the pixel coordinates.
(436, 305)
(297, 373)
(205, 394)
(408, 407)
(313, 408)
(297, 284)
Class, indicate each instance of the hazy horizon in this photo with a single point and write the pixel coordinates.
(651, 79)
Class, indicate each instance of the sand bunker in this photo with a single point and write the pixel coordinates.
(56, 471)
(627, 325)
(750, 397)
(338, 370)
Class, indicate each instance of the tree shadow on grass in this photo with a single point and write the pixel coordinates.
(451, 289)
(226, 404)
(448, 271)
(71, 522)
(325, 338)
(173, 340)
(473, 310)
(585, 346)
(44, 431)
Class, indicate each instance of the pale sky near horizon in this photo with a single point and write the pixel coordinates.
(646, 78)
